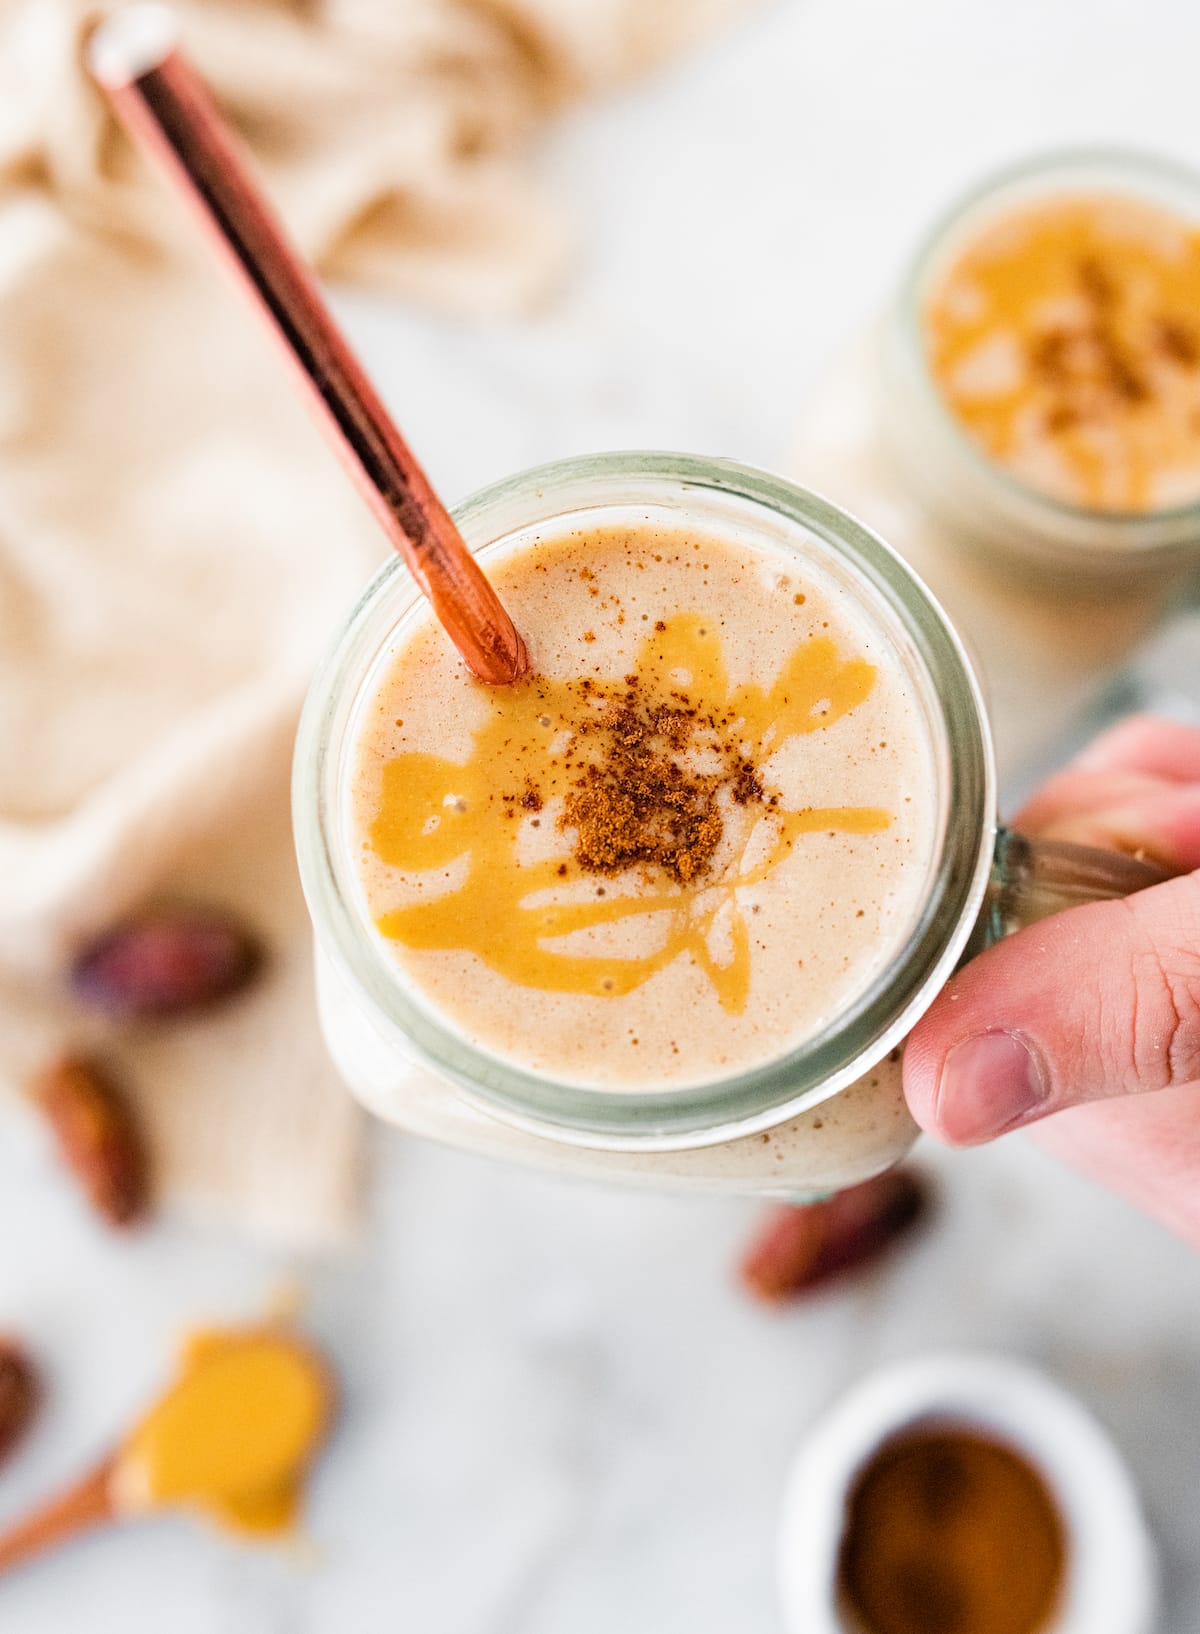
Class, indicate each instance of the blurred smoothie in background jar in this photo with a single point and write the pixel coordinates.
(1021, 426)
(1042, 367)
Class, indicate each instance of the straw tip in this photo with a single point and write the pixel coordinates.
(131, 42)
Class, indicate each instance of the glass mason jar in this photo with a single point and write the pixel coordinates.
(820, 1116)
(984, 504)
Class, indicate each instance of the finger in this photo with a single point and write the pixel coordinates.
(1146, 743)
(1163, 824)
(1103, 1000)
(1147, 1147)
(1071, 791)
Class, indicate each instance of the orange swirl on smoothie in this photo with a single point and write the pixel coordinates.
(516, 908)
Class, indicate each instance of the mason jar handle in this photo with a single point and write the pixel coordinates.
(1032, 879)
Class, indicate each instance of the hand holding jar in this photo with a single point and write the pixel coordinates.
(1091, 1020)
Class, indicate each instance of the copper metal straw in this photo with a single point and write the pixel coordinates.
(165, 107)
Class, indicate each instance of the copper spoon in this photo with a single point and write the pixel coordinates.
(90, 1501)
(168, 112)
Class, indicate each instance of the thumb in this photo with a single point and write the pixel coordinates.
(1102, 1000)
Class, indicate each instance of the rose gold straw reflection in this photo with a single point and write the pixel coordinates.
(167, 111)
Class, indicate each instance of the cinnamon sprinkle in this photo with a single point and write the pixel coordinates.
(640, 802)
(1178, 343)
(1091, 367)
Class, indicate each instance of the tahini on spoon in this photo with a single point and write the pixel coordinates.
(233, 1436)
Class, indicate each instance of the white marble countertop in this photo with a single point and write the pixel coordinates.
(561, 1417)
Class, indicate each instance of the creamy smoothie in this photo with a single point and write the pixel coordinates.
(695, 834)
(1065, 338)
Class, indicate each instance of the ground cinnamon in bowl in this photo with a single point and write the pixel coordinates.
(951, 1532)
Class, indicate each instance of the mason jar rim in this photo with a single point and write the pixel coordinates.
(749, 1100)
(1146, 176)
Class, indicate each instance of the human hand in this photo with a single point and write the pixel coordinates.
(1090, 1020)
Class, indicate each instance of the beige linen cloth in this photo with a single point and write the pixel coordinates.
(176, 543)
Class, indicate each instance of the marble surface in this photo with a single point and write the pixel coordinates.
(561, 1417)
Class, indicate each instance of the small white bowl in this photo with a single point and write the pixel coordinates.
(1112, 1572)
